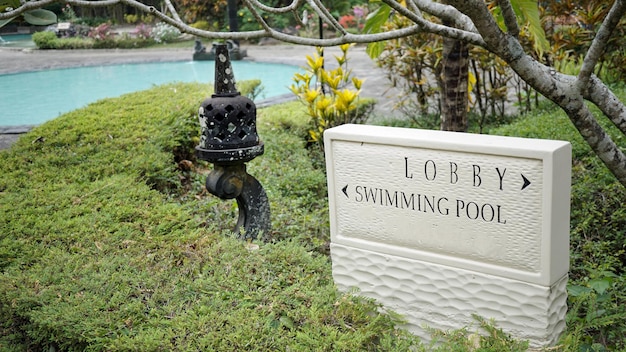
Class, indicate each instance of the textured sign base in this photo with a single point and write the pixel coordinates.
(444, 298)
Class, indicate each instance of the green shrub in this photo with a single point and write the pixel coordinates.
(93, 21)
(105, 244)
(45, 40)
(73, 43)
(126, 42)
(204, 25)
(164, 33)
(330, 96)
(290, 117)
(49, 40)
(123, 42)
(131, 18)
(597, 303)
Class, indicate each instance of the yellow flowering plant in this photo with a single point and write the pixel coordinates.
(330, 95)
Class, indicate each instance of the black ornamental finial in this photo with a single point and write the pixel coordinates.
(224, 75)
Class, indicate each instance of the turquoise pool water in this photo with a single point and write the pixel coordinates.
(17, 40)
(32, 98)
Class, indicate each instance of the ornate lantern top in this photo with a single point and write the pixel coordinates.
(227, 119)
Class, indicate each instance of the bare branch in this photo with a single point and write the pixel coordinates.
(427, 26)
(97, 3)
(599, 42)
(259, 18)
(496, 41)
(323, 12)
(599, 141)
(31, 5)
(446, 12)
(411, 5)
(293, 6)
(598, 93)
(172, 9)
(346, 39)
(510, 20)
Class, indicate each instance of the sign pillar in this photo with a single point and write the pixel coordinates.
(442, 225)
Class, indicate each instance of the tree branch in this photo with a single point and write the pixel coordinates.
(449, 13)
(510, 20)
(427, 26)
(172, 9)
(323, 12)
(599, 141)
(290, 8)
(599, 42)
(559, 88)
(413, 7)
(259, 18)
(505, 46)
(598, 93)
(97, 3)
(31, 5)
(346, 39)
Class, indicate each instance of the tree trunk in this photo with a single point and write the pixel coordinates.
(454, 102)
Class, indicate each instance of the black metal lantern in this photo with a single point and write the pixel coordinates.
(228, 140)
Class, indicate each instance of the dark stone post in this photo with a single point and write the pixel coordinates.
(228, 140)
(233, 23)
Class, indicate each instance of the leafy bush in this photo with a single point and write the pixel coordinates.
(131, 18)
(164, 33)
(325, 94)
(45, 40)
(103, 247)
(68, 14)
(102, 32)
(73, 43)
(203, 25)
(570, 24)
(143, 31)
(123, 42)
(597, 303)
(100, 37)
(93, 21)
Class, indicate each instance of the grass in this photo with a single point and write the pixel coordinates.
(596, 316)
(107, 244)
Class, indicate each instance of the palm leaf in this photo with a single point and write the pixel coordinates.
(5, 21)
(374, 24)
(528, 12)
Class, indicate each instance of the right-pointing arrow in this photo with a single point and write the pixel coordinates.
(526, 182)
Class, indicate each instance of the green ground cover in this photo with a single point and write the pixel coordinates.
(105, 244)
(109, 242)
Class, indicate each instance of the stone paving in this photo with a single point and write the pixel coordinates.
(13, 61)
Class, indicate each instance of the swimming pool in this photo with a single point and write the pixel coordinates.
(17, 40)
(32, 98)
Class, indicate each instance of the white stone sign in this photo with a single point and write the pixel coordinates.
(441, 225)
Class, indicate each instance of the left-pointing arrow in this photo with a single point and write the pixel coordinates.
(345, 190)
